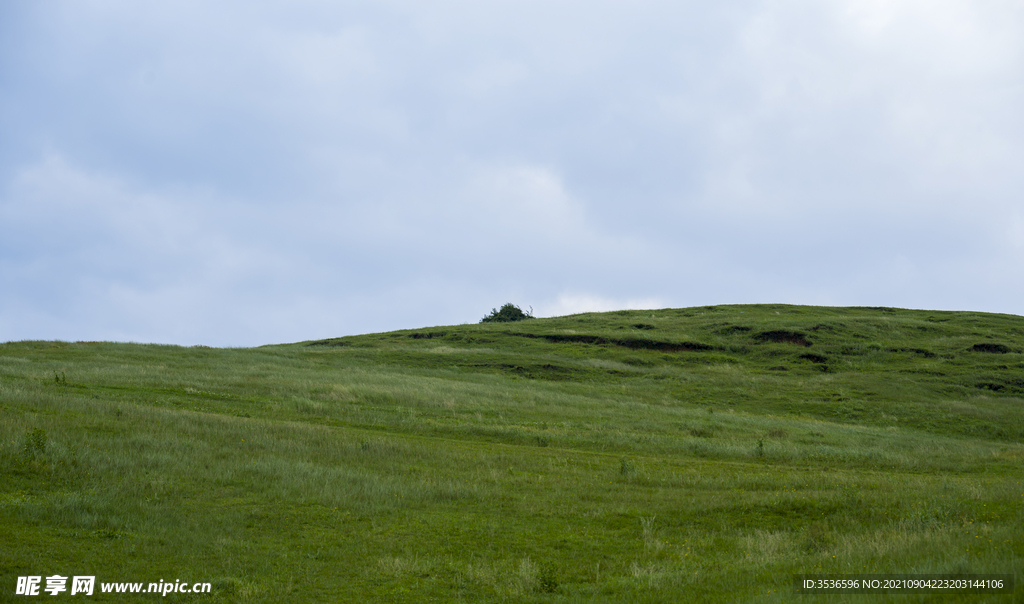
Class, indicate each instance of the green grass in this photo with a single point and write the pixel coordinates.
(700, 454)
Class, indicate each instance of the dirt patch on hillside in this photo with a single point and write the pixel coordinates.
(814, 358)
(330, 342)
(921, 351)
(428, 335)
(988, 347)
(633, 343)
(729, 330)
(783, 336)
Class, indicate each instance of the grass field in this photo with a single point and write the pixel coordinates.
(702, 454)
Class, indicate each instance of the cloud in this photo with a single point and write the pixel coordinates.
(571, 304)
(92, 255)
(527, 204)
(246, 173)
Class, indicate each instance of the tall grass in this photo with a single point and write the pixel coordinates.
(482, 465)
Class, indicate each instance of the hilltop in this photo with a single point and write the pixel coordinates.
(872, 366)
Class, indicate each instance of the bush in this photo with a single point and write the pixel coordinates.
(508, 313)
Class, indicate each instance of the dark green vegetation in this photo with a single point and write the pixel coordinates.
(701, 454)
(509, 313)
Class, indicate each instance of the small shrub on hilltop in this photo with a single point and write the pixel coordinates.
(508, 313)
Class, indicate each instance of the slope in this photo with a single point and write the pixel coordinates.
(682, 454)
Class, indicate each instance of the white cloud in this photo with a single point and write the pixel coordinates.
(234, 173)
(575, 303)
(98, 259)
(524, 199)
(495, 78)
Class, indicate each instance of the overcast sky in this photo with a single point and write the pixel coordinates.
(242, 173)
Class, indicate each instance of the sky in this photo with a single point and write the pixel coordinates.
(238, 173)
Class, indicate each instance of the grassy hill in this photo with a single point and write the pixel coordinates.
(699, 454)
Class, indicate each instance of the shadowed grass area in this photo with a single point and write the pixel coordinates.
(701, 454)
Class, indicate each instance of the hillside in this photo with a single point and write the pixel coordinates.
(681, 454)
(875, 366)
